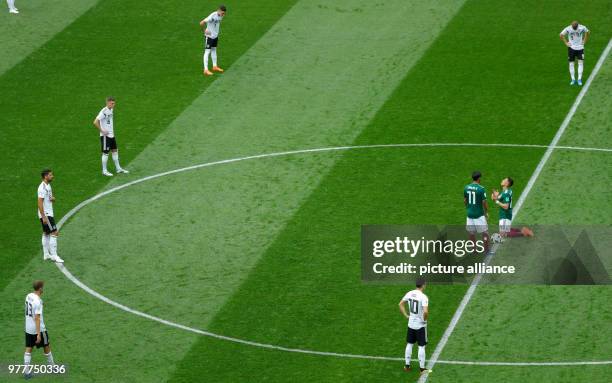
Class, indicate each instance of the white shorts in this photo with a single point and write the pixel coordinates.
(504, 225)
(477, 225)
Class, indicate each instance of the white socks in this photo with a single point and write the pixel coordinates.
(11, 4)
(115, 156)
(206, 54)
(45, 244)
(213, 54)
(49, 358)
(104, 161)
(53, 245)
(27, 358)
(422, 356)
(408, 353)
(580, 69)
(116, 160)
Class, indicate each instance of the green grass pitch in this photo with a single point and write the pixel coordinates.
(267, 249)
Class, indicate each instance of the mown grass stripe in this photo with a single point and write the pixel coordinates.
(37, 23)
(311, 267)
(148, 58)
(218, 223)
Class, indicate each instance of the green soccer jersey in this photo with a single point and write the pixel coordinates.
(506, 198)
(474, 194)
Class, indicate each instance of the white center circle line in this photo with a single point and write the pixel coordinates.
(120, 306)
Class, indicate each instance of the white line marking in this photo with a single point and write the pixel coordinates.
(103, 298)
(553, 145)
(298, 350)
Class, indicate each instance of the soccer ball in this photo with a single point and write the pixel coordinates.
(496, 238)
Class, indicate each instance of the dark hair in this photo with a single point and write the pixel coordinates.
(222, 8)
(510, 181)
(45, 173)
(110, 98)
(420, 283)
(476, 175)
(37, 285)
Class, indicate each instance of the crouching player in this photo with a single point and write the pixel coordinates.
(504, 201)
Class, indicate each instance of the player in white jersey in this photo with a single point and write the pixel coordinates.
(212, 25)
(35, 330)
(108, 142)
(417, 314)
(11, 7)
(578, 35)
(45, 215)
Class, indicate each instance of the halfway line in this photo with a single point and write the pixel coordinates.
(468, 295)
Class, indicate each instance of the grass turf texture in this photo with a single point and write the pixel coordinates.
(571, 319)
(224, 237)
(39, 21)
(326, 309)
(51, 98)
(329, 308)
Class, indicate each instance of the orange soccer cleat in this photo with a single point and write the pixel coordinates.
(207, 72)
(217, 69)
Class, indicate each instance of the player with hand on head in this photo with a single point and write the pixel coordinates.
(211, 26)
(578, 35)
(35, 330)
(417, 314)
(504, 201)
(104, 123)
(45, 215)
(477, 209)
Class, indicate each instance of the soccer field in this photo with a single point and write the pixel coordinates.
(231, 251)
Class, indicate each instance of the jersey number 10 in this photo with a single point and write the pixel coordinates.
(414, 306)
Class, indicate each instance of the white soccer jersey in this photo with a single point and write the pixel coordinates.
(575, 36)
(33, 306)
(106, 121)
(45, 192)
(416, 302)
(213, 24)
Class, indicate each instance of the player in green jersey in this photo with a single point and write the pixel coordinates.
(475, 200)
(504, 201)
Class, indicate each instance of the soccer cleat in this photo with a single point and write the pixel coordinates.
(122, 170)
(207, 72)
(424, 371)
(14, 11)
(28, 375)
(573, 82)
(527, 232)
(217, 69)
(107, 173)
(47, 256)
(407, 368)
(497, 238)
(57, 259)
(579, 82)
